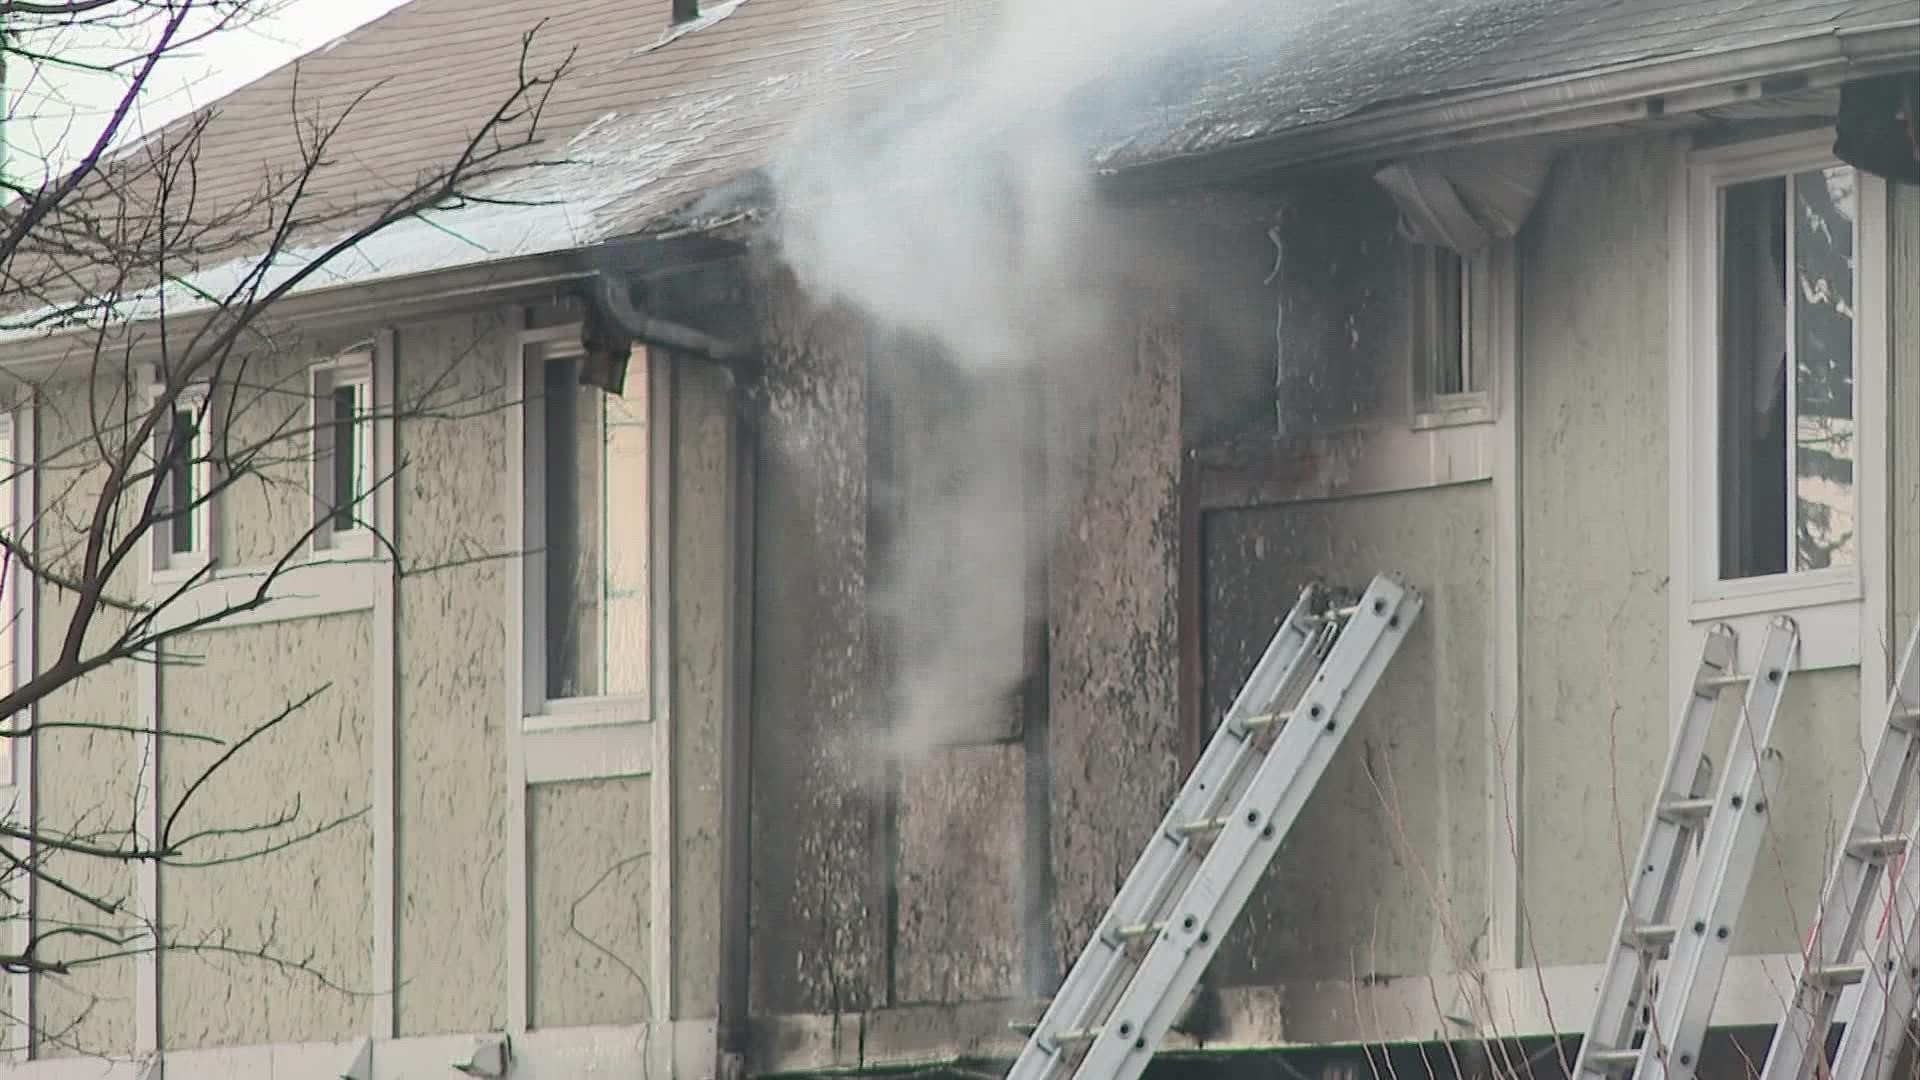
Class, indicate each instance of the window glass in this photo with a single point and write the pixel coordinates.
(1787, 410)
(346, 457)
(596, 527)
(181, 451)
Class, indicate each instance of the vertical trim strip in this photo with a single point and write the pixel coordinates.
(385, 682)
(1873, 388)
(662, 407)
(1506, 944)
(736, 738)
(514, 664)
(23, 503)
(146, 751)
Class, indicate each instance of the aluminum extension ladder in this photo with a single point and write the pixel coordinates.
(1232, 814)
(1862, 870)
(1729, 825)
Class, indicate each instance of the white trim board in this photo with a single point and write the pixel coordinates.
(592, 752)
(682, 1051)
(1526, 1002)
(301, 591)
(22, 509)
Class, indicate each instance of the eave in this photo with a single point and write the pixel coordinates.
(1632, 93)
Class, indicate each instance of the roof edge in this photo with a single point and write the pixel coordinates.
(375, 300)
(1560, 104)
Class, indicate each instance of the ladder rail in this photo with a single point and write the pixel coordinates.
(1841, 927)
(1728, 854)
(1877, 1022)
(1240, 857)
(1092, 974)
(1657, 867)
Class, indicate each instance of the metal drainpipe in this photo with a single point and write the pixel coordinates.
(611, 295)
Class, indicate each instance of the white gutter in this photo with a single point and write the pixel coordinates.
(362, 302)
(1640, 90)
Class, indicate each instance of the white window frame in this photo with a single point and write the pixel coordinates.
(354, 369)
(1840, 611)
(540, 712)
(167, 566)
(1488, 303)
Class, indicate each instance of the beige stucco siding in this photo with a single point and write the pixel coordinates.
(589, 863)
(1385, 870)
(1593, 510)
(88, 779)
(1904, 411)
(308, 905)
(703, 463)
(452, 651)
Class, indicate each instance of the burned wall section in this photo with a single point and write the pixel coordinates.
(1342, 318)
(1115, 737)
(819, 935)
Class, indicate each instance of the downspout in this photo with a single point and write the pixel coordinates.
(613, 299)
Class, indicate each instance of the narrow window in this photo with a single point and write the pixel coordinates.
(1452, 308)
(347, 460)
(1786, 387)
(343, 466)
(595, 507)
(182, 450)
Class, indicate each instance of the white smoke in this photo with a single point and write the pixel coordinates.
(964, 213)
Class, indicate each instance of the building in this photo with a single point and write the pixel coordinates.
(931, 584)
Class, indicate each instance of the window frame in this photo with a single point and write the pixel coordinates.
(354, 368)
(538, 711)
(165, 565)
(1487, 305)
(1708, 173)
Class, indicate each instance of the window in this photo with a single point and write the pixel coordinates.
(1787, 433)
(1780, 446)
(587, 517)
(343, 432)
(182, 532)
(1455, 301)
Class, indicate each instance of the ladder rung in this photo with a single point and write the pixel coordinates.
(1203, 826)
(1878, 847)
(1080, 1035)
(1335, 614)
(1904, 717)
(1683, 810)
(1837, 975)
(1262, 721)
(1613, 1059)
(1653, 934)
(1713, 684)
(1139, 930)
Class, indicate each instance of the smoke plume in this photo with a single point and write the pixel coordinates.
(962, 213)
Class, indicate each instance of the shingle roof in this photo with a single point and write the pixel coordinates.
(646, 116)
(1284, 70)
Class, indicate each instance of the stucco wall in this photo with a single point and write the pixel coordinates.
(309, 904)
(1384, 872)
(1904, 409)
(589, 863)
(1114, 750)
(957, 880)
(703, 486)
(453, 891)
(819, 926)
(1593, 508)
(88, 779)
